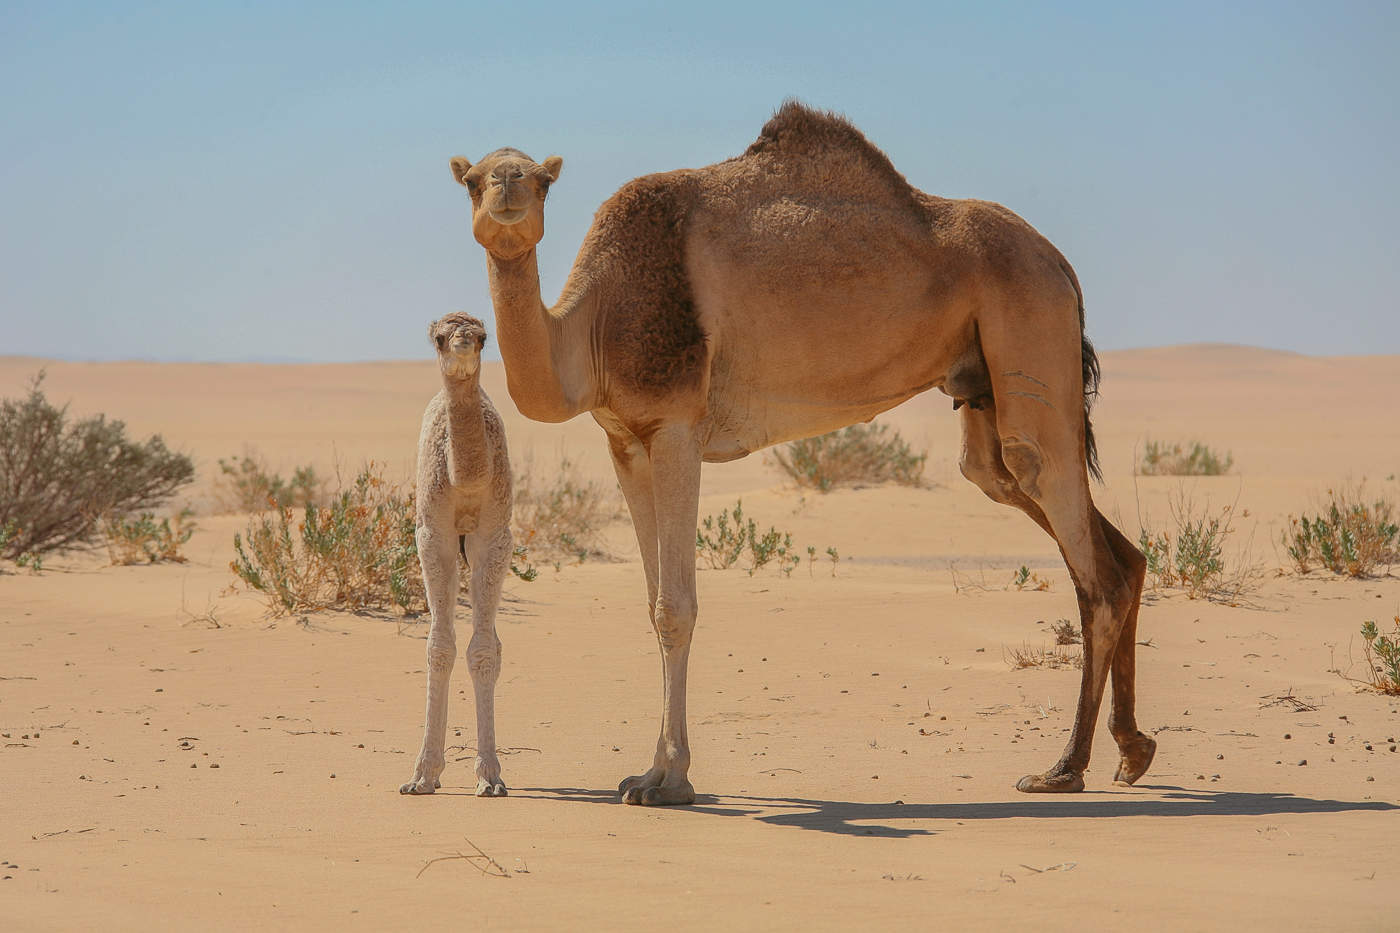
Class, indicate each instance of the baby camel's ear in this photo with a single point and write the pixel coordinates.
(460, 167)
(552, 166)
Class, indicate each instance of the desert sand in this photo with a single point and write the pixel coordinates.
(856, 736)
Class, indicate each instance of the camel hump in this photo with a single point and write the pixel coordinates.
(798, 130)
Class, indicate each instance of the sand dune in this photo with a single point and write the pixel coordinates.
(856, 736)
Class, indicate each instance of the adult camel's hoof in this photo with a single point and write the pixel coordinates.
(648, 791)
(1068, 783)
(485, 788)
(1136, 759)
(419, 786)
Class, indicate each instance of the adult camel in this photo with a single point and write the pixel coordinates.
(801, 287)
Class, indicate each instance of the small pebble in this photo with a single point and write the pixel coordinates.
(160, 690)
(334, 775)
(361, 745)
(1288, 735)
(1302, 762)
(214, 765)
(1367, 746)
(193, 765)
(1219, 757)
(1370, 778)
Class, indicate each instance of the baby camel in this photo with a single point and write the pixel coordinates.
(464, 504)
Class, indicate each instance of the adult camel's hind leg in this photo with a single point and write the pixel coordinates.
(982, 464)
(1135, 748)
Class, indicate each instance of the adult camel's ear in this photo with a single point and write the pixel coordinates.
(460, 167)
(552, 166)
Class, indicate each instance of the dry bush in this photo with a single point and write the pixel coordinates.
(860, 453)
(1067, 633)
(1350, 536)
(1190, 459)
(1053, 657)
(358, 551)
(1190, 555)
(562, 515)
(57, 478)
(141, 540)
(245, 484)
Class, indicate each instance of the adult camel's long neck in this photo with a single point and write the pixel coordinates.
(548, 353)
(467, 459)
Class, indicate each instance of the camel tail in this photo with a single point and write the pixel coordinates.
(1090, 361)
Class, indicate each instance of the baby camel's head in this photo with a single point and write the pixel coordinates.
(458, 339)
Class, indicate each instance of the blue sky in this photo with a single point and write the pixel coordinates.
(221, 181)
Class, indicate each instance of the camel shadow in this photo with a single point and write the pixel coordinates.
(872, 819)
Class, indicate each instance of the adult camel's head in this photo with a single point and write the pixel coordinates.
(458, 339)
(507, 189)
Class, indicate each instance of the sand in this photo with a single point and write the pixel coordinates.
(173, 755)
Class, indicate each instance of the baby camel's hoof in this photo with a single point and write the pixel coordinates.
(1068, 783)
(641, 791)
(1136, 759)
(485, 788)
(419, 786)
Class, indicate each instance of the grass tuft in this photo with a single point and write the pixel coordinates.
(143, 540)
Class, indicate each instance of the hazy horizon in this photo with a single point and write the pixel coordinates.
(218, 183)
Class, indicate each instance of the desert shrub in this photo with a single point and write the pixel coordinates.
(562, 514)
(358, 551)
(1025, 578)
(246, 485)
(1191, 459)
(861, 453)
(1053, 657)
(831, 554)
(1191, 553)
(721, 541)
(141, 539)
(1382, 654)
(1066, 632)
(1350, 536)
(58, 477)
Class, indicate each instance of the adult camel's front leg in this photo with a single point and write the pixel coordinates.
(675, 480)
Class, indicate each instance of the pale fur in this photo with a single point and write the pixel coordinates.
(463, 503)
(800, 287)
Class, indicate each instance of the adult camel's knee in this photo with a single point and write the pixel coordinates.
(674, 621)
(1024, 460)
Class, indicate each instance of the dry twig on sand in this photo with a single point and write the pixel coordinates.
(480, 861)
(1287, 699)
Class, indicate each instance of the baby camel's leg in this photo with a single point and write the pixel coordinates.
(490, 560)
(437, 553)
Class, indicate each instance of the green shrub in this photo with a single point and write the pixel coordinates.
(358, 551)
(1193, 459)
(860, 453)
(142, 540)
(722, 541)
(57, 477)
(563, 514)
(1382, 657)
(1351, 536)
(1191, 554)
(246, 485)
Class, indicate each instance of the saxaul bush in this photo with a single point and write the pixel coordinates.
(59, 476)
